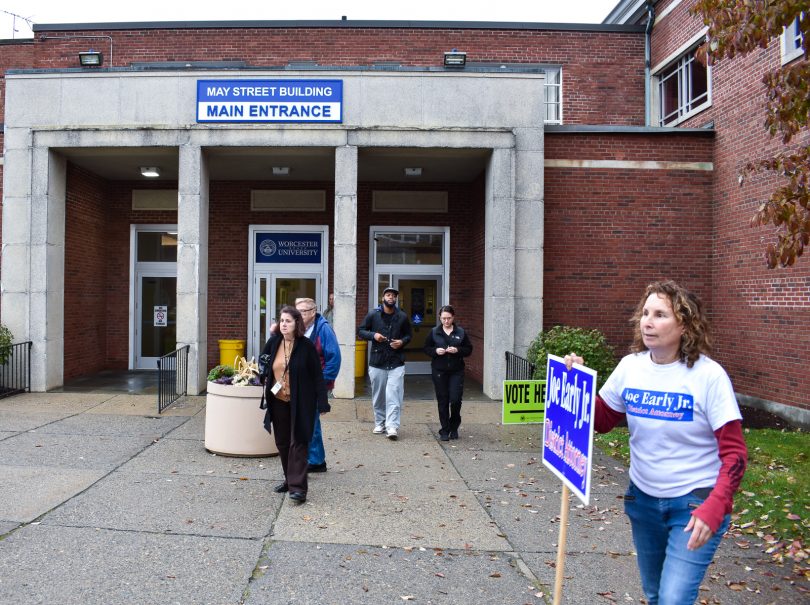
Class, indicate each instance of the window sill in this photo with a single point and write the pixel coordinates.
(687, 116)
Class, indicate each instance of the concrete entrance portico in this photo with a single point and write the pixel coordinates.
(502, 138)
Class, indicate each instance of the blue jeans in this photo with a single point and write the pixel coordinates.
(387, 392)
(317, 453)
(670, 574)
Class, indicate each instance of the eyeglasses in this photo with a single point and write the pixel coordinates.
(306, 310)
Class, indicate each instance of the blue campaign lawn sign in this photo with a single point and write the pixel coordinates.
(568, 428)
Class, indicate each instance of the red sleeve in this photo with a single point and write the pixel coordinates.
(733, 459)
(606, 416)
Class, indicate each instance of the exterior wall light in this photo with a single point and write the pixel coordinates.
(417, 171)
(281, 170)
(90, 58)
(150, 172)
(454, 58)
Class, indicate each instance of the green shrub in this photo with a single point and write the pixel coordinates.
(6, 340)
(562, 340)
(218, 372)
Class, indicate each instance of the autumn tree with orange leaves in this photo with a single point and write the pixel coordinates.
(738, 27)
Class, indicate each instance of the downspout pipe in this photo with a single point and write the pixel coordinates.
(647, 59)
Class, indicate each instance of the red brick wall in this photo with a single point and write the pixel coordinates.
(602, 71)
(609, 232)
(85, 305)
(673, 31)
(758, 314)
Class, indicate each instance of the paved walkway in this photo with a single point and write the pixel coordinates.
(103, 502)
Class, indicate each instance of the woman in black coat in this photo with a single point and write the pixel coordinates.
(294, 389)
(447, 345)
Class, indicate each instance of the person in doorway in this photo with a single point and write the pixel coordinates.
(687, 452)
(295, 391)
(389, 331)
(447, 344)
(318, 330)
(329, 312)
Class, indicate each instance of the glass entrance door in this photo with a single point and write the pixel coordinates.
(271, 293)
(418, 298)
(156, 324)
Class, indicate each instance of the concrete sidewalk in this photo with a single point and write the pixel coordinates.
(103, 502)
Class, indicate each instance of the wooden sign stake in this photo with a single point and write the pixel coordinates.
(558, 578)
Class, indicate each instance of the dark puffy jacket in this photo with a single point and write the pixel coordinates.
(382, 355)
(449, 362)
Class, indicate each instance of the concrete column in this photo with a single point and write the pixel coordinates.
(529, 205)
(192, 264)
(345, 263)
(34, 258)
(499, 268)
(16, 256)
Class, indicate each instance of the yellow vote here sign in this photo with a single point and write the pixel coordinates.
(523, 401)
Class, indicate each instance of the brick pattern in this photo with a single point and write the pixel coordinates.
(602, 71)
(757, 313)
(86, 278)
(609, 232)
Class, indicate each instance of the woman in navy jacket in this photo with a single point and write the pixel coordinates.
(447, 345)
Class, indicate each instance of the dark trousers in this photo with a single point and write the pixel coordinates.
(449, 389)
(292, 453)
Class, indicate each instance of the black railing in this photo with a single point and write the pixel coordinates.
(172, 377)
(518, 368)
(15, 369)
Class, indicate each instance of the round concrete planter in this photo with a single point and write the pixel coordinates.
(234, 423)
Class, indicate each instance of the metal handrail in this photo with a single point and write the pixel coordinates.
(518, 368)
(172, 377)
(15, 369)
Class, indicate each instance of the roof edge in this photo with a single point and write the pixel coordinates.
(610, 129)
(342, 24)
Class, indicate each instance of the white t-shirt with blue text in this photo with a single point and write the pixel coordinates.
(672, 413)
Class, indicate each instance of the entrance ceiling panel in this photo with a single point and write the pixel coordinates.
(256, 163)
(124, 163)
(376, 164)
(388, 164)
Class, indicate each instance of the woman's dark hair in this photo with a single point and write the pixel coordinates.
(447, 309)
(689, 312)
(300, 330)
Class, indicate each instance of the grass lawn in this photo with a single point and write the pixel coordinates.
(773, 504)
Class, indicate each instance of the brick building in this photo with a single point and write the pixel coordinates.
(537, 183)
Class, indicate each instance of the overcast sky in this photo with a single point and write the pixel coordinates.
(105, 11)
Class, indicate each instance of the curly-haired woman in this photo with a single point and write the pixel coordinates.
(687, 453)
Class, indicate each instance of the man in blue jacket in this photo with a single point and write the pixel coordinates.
(389, 331)
(323, 337)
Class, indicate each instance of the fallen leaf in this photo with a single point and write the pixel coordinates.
(495, 574)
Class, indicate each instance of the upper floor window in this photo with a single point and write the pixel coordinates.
(683, 89)
(792, 42)
(553, 94)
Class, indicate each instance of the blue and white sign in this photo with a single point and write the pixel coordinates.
(270, 101)
(288, 248)
(568, 428)
(660, 405)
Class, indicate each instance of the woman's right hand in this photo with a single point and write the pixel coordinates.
(571, 359)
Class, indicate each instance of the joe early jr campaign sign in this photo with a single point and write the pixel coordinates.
(568, 428)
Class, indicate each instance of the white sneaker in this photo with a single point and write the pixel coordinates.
(392, 434)
(378, 430)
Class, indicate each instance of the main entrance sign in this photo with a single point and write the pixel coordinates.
(270, 101)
